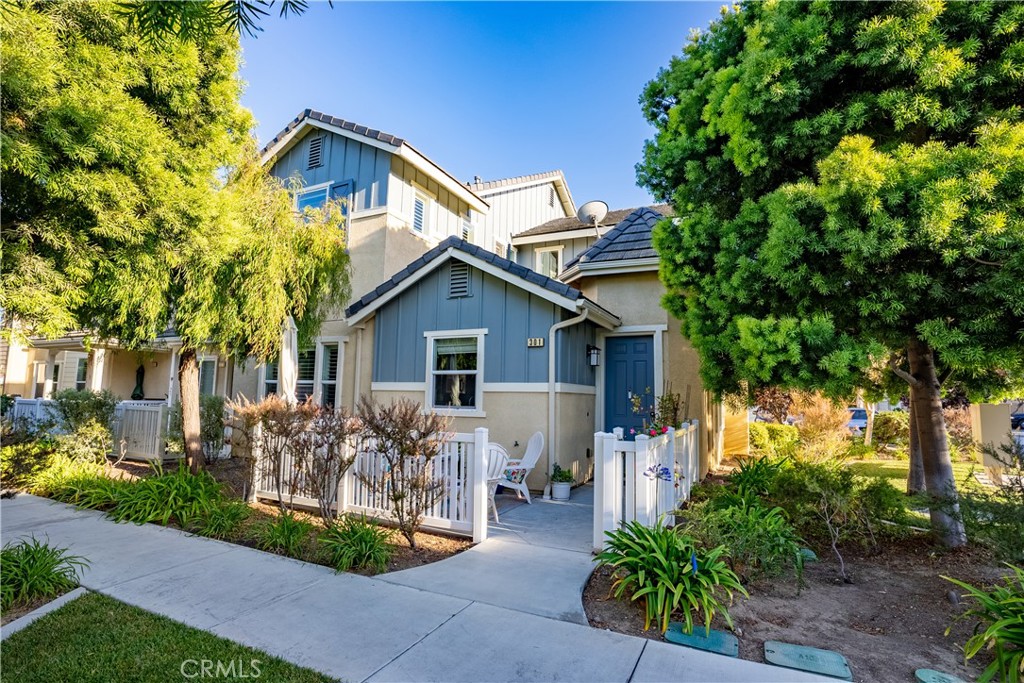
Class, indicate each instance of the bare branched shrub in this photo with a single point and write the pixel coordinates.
(408, 440)
(279, 436)
(332, 456)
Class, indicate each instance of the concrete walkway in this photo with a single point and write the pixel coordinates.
(371, 629)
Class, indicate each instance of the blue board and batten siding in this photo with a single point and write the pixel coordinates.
(510, 315)
(343, 159)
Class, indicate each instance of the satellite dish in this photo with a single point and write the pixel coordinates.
(593, 212)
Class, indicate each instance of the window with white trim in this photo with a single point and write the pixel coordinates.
(311, 199)
(80, 373)
(329, 375)
(548, 261)
(420, 213)
(467, 226)
(207, 376)
(454, 372)
(271, 376)
(305, 375)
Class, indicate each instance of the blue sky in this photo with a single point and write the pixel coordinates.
(488, 89)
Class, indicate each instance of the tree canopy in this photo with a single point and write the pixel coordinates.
(846, 176)
(200, 19)
(134, 197)
(847, 179)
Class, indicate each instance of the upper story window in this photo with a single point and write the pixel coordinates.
(315, 157)
(311, 199)
(420, 213)
(548, 261)
(467, 226)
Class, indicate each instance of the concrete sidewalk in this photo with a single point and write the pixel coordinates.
(349, 626)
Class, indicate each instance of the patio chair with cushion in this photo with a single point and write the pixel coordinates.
(518, 469)
(497, 461)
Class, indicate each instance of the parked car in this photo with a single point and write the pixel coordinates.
(1017, 421)
(858, 420)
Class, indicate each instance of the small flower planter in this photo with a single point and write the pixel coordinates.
(560, 490)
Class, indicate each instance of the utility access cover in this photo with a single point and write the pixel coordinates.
(803, 658)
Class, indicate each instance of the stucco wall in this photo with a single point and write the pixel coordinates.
(634, 297)
(575, 434)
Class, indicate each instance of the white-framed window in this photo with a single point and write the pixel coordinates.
(420, 213)
(305, 375)
(271, 376)
(330, 356)
(207, 376)
(455, 363)
(81, 371)
(467, 226)
(55, 377)
(513, 254)
(548, 261)
(312, 198)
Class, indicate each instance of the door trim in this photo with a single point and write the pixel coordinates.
(658, 333)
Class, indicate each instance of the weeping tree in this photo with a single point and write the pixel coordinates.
(847, 180)
(134, 198)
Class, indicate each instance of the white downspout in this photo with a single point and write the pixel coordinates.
(552, 333)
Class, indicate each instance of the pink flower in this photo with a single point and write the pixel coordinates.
(632, 431)
(654, 433)
(664, 430)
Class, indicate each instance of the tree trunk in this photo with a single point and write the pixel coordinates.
(188, 383)
(869, 429)
(931, 430)
(915, 477)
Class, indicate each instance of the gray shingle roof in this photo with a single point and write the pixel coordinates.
(630, 239)
(574, 223)
(462, 245)
(485, 185)
(314, 115)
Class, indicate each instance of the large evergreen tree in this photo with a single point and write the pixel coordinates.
(848, 180)
(133, 197)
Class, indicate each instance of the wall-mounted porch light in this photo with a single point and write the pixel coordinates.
(593, 355)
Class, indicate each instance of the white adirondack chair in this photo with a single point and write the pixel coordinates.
(497, 462)
(518, 469)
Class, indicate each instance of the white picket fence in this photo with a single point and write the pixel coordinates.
(141, 425)
(643, 480)
(460, 467)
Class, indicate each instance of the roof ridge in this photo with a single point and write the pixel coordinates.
(513, 180)
(315, 115)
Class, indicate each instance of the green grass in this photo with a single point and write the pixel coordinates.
(96, 639)
(896, 470)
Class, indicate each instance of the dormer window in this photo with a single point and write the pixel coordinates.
(548, 261)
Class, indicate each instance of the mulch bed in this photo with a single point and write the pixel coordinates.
(18, 611)
(889, 622)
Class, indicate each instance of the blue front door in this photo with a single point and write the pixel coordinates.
(629, 372)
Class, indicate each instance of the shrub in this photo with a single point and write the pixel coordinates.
(824, 435)
(90, 490)
(222, 520)
(30, 570)
(359, 543)
(91, 441)
(211, 426)
(331, 457)
(892, 427)
(22, 462)
(63, 474)
(74, 408)
(996, 518)
(756, 475)
(178, 496)
(561, 476)
(760, 542)
(287, 534)
(408, 439)
(668, 572)
(1000, 626)
(959, 430)
(773, 440)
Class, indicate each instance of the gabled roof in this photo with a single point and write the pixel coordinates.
(628, 244)
(456, 248)
(485, 188)
(573, 223)
(291, 134)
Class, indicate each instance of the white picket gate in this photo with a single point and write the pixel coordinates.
(460, 467)
(643, 480)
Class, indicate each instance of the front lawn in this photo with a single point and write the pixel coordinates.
(896, 470)
(96, 639)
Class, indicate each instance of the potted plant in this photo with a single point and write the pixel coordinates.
(561, 482)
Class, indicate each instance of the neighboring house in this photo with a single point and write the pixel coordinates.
(495, 343)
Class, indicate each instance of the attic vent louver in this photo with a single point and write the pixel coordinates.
(316, 152)
(551, 196)
(458, 281)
